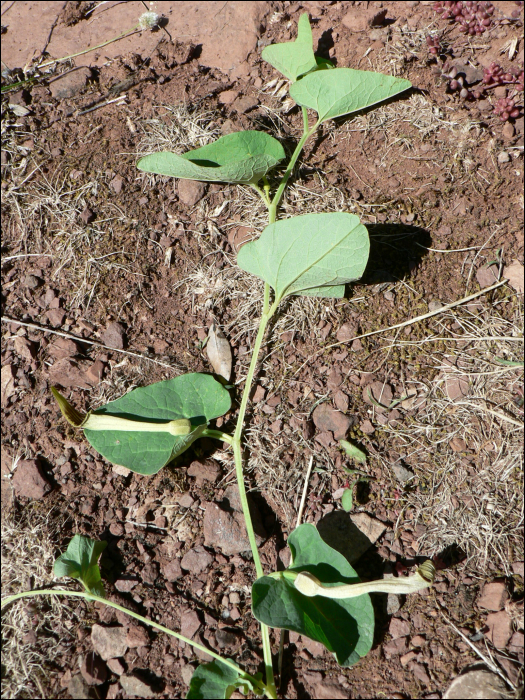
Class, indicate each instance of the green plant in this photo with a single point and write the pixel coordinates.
(311, 254)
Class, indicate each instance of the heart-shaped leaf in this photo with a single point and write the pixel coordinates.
(341, 91)
(293, 58)
(242, 157)
(345, 627)
(309, 253)
(80, 560)
(213, 680)
(197, 397)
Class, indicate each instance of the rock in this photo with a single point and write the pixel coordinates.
(493, 597)
(125, 585)
(79, 690)
(94, 671)
(69, 373)
(476, 685)
(420, 673)
(32, 281)
(381, 393)
(316, 649)
(326, 439)
(150, 573)
(402, 473)
(407, 658)
(204, 471)
(189, 624)
(487, 276)
(395, 647)
(457, 444)
(93, 373)
(56, 317)
(398, 628)
(327, 418)
(500, 629)
(435, 306)
(7, 382)
(393, 603)
(323, 688)
(24, 348)
(341, 401)
(172, 570)
(367, 428)
(260, 393)
(518, 568)
(29, 480)
(196, 560)
(132, 685)
(191, 191)
(226, 531)
(245, 104)
(508, 131)
(136, 637)
(226, 639)
(62, 347)
(187, 672)
(116, 184)
(109, 642)
(87, 216)
(114, 336)
(70, 84)
(514, 273)
(503, 157)
(471, 74)
(228, 96)
(456, 387)
(359, 19)
(237, 237)
(346, 332)
(120, 470)
(116, 666)
(334, 379)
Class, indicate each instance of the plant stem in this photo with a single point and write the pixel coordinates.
(161, 628)
(130, 32)
(218, 435)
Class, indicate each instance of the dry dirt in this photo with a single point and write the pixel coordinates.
(133, 269)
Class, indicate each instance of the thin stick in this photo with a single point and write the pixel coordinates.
(103, 104)
(44, 329)
(489, 663)
(27, 255)
(305, 490)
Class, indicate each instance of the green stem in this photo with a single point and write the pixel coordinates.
(218, 435)
(130, 32)
(161, 628)
(304, 138)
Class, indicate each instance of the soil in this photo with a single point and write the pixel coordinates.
(123, 262)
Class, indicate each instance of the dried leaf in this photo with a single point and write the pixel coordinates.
(219, 352)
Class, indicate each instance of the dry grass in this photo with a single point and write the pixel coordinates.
(35, 633)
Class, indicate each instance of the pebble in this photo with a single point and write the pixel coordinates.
(114, 336)
(29, 480)
(503, 157)
(196, 560)
(190, 191)
(493, 596)
(476, 684)
(94, 671)
(328, 419)
(136, 687)
(500, 629)
(109, 642)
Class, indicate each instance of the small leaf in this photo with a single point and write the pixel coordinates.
(214, 680)
(353, 451)
(197, 397)
(308, 253)
(242, 157)
(293, 58)
(80, 560)
(219, 352)
(341, 91)
(347, 500)
(508, 363)
(345, 627)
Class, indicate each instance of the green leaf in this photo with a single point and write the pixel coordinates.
(293, 58)
(345, 627)
(197, 397)
(342, 91)
(347, 500)
(309, 253)
(242, 157)
(80, 560)
(215, 680)
(353, 451)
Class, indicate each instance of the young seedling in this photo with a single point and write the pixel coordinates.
(319, 595)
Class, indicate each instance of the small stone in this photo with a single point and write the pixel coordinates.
(226, 639)
(493, 597)
(456, 387)
(62, 347)
(87, 216)
(56, 317)
(458, 444)
(116, 184)
(328, 419)
(191, 191)
(359, 19)
(381, 393)
(136, 687)
(417, 641)
(189, 624)
(116, 666)
(204, 471)
(518, 568)
(7, 383)
(120, 470)
(393, 604)
(125, 585)
(136, 637)
(398, 628)
(172, 570)
(477, 685)
(187, 672)
(228, 96)
(260, 393)
(225, 530)
(196, 560)
(29, 480)
(508, 131)
(406, 658)
(402, 473)
(500, 629)
(367, 428)
(71, 83)
(341, 401)
(24, 348)
(487, 276)
(109, 642)
(32, 281)
(150, 572)
(503, 157)
(79, 690)
(420, 673)
(435, 306)
(245, 104)
(186, 501)
(93, 374)
(514, 273)
(93, 669)
(334, 379)
(346, 332)
(395, 647)
(114, 336)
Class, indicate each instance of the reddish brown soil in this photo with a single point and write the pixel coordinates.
(452, 203)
